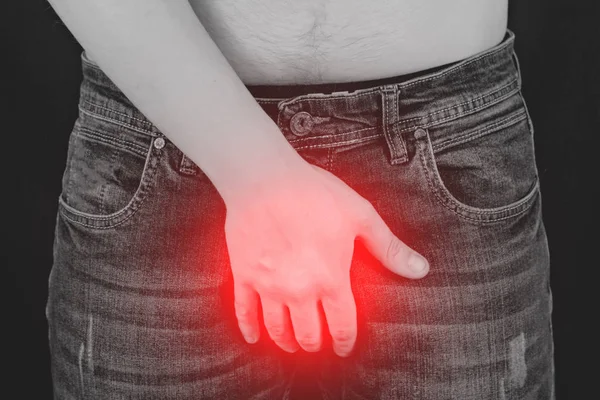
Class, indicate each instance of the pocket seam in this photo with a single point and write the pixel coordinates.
(112, 220)
(465, 137)
(108, 140)
(103, 116)
(504, 93)
(481, 215)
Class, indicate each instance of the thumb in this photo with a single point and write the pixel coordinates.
(393, 253)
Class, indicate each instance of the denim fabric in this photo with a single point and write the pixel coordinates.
(140, 295)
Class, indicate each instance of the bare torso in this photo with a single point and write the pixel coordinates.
(327, 41)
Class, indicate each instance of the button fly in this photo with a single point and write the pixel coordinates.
(159, 143)
(302, 123)
(419, 133)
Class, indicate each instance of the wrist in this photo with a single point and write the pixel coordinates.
(260, 172)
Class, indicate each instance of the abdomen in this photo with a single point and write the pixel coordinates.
(319, 41)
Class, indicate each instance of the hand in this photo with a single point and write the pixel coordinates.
(291, 246)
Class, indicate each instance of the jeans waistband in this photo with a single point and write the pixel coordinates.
(287, 91)
(320, 119)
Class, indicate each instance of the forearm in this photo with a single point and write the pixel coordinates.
(159, 54)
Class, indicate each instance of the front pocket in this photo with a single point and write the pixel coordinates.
(108, 174)
(485, 175)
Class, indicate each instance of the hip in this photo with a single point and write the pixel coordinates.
(446, 157)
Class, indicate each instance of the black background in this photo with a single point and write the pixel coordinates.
(558, 44)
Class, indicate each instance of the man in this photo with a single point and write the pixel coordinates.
(226, 157)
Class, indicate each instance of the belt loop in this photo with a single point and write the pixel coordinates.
(187, 166)
(395, 141)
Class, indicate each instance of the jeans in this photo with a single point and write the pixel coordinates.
(140, 299)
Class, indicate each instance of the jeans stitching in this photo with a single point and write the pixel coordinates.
(104, 117)
(485, 105)
(332, 135)
(502, 46)
(400, 131)
(388, 127)
(100, 137)
(339, 144)
(128, 211)
(486, 130)
(462, 210)
(117, 112)
(186, 166)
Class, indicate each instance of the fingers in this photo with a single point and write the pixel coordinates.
(277, 323)
(307, 324)
(393, 253)
(340, 311)
(246, 311)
